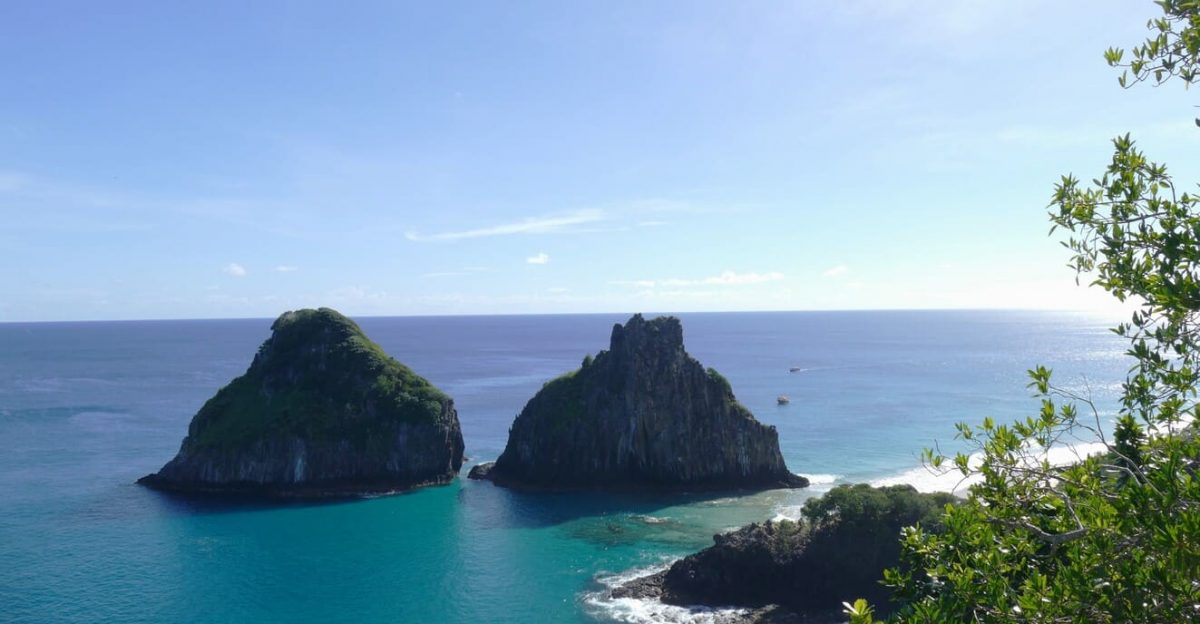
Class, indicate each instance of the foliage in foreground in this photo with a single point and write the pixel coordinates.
(1116, 536)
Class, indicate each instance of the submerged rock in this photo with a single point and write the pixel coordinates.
(322, 411)
(643, 414)
(807, 569)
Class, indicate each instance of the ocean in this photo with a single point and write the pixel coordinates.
(87, 408)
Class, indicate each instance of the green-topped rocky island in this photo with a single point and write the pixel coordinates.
(321, 412)
(642, 415)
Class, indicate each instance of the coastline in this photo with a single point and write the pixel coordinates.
(254, 492)
(634, 595)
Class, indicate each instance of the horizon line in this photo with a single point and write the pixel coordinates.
(1092, 312)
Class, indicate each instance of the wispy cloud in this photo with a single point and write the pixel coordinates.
(836, 271)
(725, 278)
(541, 258)
(534, 225)
(234, 269)
(286, 268)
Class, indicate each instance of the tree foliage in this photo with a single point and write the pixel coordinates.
(1114, 537)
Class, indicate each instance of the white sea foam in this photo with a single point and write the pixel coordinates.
(647, 611)
(791, 512)
(650, 519)
(926, 479)
(789, 507)
(821, 479)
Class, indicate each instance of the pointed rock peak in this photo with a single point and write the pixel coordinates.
(663, 335)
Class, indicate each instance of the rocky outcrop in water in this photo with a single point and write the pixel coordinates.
(803, 570)
(643, 414)
(322, 411)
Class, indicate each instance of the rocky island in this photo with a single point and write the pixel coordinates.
(322, 411)
(641, 415)
(800, 571)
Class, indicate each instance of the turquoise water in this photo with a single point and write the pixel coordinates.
(86, 408)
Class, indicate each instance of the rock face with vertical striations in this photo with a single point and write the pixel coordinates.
(642, 415)
(322, 411)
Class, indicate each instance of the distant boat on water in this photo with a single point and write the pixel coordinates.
(783, 400)
(795, 369)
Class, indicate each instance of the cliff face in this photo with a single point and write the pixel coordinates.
(643, 414)
(321, 411)
(836, 554)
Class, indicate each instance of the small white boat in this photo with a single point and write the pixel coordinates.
(783, 400)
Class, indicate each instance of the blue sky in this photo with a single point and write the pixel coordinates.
(191, 160)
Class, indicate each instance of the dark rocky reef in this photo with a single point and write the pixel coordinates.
(803, 571)
(642, 415)
(322, 411)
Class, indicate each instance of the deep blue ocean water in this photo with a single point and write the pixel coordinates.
(87, 408)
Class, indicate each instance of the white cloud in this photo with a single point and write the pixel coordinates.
(285, 268)
(535, 225)
(836, 271)
(234, 269)
(541, 258)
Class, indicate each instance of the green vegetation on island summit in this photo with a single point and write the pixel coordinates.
(323, 373)
(321, 410)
